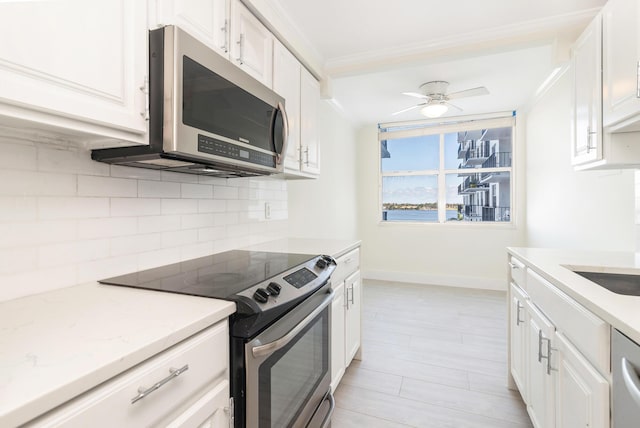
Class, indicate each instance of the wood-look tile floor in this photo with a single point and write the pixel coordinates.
(431, 357)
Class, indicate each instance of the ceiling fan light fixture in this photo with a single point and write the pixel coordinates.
(434, 110)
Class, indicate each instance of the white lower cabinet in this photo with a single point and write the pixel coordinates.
(337, 336)
(346, 324)
(353, 303)
(540, 373)
(559, 361)
(582, 394)
(184, 386)
(518, 328)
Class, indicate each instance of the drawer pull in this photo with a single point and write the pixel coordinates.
(518, 320)
(513, 265)
(173, 373)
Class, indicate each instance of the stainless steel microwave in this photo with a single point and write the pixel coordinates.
(206, 115)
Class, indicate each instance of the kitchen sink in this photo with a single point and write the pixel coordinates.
(616, 282)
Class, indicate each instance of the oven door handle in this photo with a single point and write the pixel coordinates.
(631, 380)
(268, 348)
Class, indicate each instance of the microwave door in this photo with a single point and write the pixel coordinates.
(280, 132)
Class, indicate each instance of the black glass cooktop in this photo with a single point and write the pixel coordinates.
(219, 276)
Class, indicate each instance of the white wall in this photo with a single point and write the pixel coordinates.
(326, 207)
(567, 208)
(65, 219)
(466, 255)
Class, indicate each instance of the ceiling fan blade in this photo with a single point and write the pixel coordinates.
(453, 105)
(481, 90)
(416, 95)
(408, 109)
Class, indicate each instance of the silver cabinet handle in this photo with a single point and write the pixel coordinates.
(589, 139)
(225, 30)
(145, 90)
(513, 265)
(306, 151)
(539, 346)
(518, 320)
(269, 348)
(548, 356)
(143, 392)
(631, 380)
(241, 43)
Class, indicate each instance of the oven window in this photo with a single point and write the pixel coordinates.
(290, 376)
(212, 103)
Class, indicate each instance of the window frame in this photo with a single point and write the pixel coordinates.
(386, 131)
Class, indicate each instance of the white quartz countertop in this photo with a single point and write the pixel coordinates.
(331, 247)
(621, 311)
(59, 344)
(56, 345)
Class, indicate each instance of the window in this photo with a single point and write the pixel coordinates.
(449, 172)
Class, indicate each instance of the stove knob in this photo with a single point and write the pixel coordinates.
(274, 288)
(261, 295)
(321, 263)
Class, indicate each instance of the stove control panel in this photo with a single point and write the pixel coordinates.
(292, 283)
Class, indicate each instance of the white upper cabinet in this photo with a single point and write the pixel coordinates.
(75, 65)
(587, 112)
(302, 96)
(251, 44)
(621, 65)
(206, 20)
(309, 103)
(286, 82)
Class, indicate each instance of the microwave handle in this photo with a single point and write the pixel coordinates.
(269, 348)
(285, 131)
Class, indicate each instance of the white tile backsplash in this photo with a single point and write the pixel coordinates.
(90, 185)
(66, 220)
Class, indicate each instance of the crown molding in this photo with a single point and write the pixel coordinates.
(518, 35)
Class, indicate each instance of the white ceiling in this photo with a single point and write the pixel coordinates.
(373, 50)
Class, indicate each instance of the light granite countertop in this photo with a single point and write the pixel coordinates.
(57, 345)
(621, 311)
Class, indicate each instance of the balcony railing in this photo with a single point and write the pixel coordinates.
(473, 153)
(498, 160)
(472, 184)
(482, 213)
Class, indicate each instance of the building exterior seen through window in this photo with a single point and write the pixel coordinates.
(449, 172)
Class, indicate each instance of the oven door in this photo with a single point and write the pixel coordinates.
(288, 372)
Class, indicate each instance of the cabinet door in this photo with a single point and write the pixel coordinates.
(587, 96)
(353, 303)
(206, 20)
(540, 373)
(309, 103)
(621, 60)
(210, 411)
(582, 394)
(337, 336)
(518, 338)
(286, 82)
(251, 44)
(75, 59)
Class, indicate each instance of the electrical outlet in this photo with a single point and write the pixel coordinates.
(267, 210)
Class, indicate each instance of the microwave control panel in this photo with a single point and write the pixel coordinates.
(232, 151)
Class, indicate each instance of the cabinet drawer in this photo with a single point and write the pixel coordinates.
(110, 404)
(587, 332)
(347, 264)
(517, 271)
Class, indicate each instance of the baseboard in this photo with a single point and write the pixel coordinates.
(444, 280)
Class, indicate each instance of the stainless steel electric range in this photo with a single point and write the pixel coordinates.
(279, 336)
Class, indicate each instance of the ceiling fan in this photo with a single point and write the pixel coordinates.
(436, 100)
